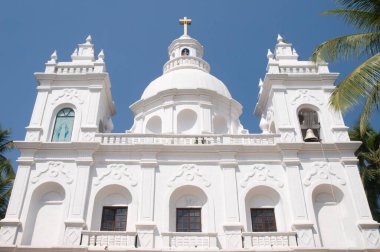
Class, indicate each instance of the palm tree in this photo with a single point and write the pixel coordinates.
(7, 174)
(369, 165)
(364, 81)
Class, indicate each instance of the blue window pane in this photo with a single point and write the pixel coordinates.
(63, 125)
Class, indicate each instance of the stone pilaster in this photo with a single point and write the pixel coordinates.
(146, 226)
(232, 226)
(11, 223)
(76, 221)
(300, 219)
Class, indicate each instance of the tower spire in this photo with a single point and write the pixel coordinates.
(185, 22)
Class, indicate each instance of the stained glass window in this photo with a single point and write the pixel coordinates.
(63, 126)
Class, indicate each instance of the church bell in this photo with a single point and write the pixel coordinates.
(310, 136)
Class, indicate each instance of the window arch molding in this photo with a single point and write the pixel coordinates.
(309, 106)
(175, 198)
(45, 198)
(53, 117)
(111, 194)
(263, 196)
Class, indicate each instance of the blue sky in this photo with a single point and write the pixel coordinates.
(135, 35)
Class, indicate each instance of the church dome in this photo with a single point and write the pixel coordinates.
(186, 78)
(186, 69)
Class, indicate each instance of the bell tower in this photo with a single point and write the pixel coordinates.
(74, 98)
(294, 99)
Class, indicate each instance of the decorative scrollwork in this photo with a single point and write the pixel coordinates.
(189, 172)
(53, 169)
(322, 170)
(260, 172)
(69, 94)
(116, 172)
(305, 96)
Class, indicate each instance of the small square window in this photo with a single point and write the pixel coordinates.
(188, 220)
(263, 220)
(114, 219)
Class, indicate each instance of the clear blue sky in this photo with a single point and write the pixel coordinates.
(135, 35)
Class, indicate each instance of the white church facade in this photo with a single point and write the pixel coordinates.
(187, 175)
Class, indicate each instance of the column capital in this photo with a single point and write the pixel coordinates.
(291, 162)
(148, 163)
(229, 164)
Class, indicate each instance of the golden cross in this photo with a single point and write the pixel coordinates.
(185, 22)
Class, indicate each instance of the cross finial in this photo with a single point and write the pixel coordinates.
(185, 21)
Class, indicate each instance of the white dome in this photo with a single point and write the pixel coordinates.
(186, 79)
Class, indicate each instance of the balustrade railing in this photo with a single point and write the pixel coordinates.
(130, 139)
(299, 69)
(269, 239)
(74, 69)
(189, 240)
(108, 238)
(186, 61)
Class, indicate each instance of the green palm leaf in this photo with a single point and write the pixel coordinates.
(349, 46)
(362, 19)
(360, 83)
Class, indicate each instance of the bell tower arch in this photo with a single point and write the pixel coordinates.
(294, 99)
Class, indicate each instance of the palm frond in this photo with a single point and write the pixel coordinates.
(364, 20)
(372, 101)
(365, 5)
(357, 84)
(349, 46)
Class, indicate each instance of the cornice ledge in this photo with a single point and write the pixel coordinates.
(302, 224)
(10, 222)
(229, 164)
(291, 161)
(349, 160)
(368, 225)
(148, 163)
(352, 145)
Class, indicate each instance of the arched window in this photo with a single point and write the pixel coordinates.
(185, 52)
(309, 124)
(63, 126)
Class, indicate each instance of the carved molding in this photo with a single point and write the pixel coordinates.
(288, 137)
(305, 96)
(7, 235)
(341, 136)
(116, 172)
(88, 136)
(260, 172)
(68, 94)
(373, 237)
(72, 236)
(305, 238)
(189, 172)
(322, 171)
(53, 169)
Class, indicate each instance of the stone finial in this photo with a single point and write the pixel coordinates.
(88, 39)
(269, 54)
(280, 38)
(264, 125)
(101, 55)
(260, 83)
(294, 52)
(75, 53)
(54, 56)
